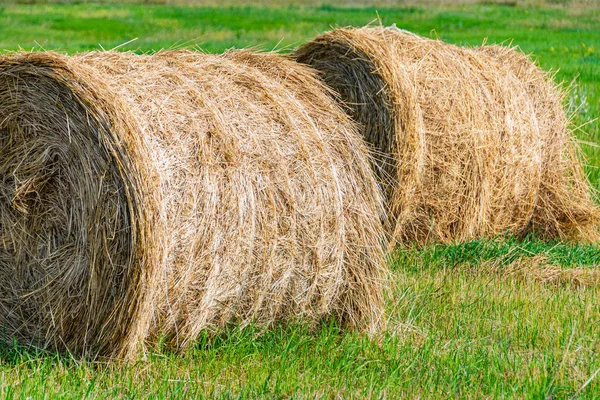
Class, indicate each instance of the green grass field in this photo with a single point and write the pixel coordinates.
(459, 325)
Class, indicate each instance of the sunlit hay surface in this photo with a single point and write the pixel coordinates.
(155, 196)
(472, 142)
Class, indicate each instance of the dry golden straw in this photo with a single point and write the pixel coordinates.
(162, 195)
(471, 142)
(539, 269)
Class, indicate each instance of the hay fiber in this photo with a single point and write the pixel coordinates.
(470, 142)
(147, 196)
(539, 269)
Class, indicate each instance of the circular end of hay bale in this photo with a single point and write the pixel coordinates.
(65, 232)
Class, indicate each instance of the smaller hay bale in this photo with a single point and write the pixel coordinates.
(160, 195)
(469, 144)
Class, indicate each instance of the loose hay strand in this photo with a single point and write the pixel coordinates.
(472, 142)
(160, 195)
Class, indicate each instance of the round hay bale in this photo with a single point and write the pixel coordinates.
(160, 195)
(468, 146)
(565, 209)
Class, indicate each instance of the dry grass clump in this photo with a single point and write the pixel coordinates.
(148, 195)
(539, 269)
(472, 142)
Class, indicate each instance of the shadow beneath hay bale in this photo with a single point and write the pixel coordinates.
(254, 337)
(15, 354)
(209, 343)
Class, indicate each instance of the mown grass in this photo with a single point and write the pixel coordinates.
(456, 329)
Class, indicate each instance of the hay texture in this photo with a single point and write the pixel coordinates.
(144, 196)
(471, 142)
(539, 269)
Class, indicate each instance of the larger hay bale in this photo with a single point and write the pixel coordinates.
(470, 144)
(162, 195)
